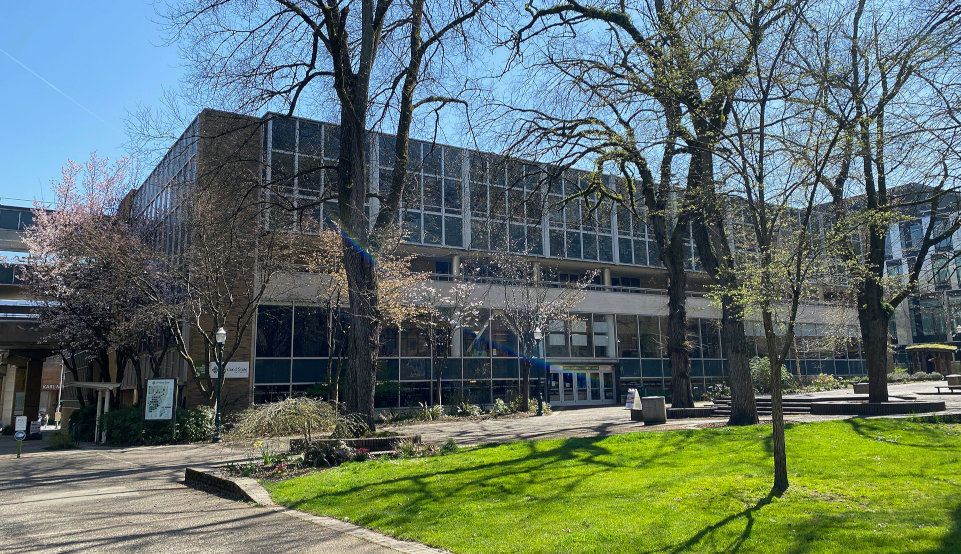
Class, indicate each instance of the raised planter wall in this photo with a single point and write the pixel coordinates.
(374, 444)
(876, 408)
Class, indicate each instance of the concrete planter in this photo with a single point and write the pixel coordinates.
(954, 380)
(861, 388)
(373, 444)
(654, 410)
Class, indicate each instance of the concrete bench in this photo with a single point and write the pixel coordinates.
(954, 384)
(861, 388)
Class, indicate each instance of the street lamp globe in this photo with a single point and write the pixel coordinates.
(221, 336)
(538, 334)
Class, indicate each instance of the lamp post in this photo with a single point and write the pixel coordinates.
(538, 337)
(221, 338)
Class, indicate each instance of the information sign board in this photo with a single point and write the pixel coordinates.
(631, 398)
(160, 399)
(21, 423)
(235, 370)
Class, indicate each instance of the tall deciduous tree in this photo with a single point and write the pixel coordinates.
(776, 161)
(692, 57)
(886, 75)
(368, 54)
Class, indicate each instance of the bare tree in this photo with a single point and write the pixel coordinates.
(692, 58)
(883, 75)
(532, 297)
(369, 54)
(445, 310)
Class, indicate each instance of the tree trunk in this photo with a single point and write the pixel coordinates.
(713, 249)
(525, 385)
(734, 340)
(874, 321)
(362, 287)
(777, 405)
(364, 334)
(682, 395)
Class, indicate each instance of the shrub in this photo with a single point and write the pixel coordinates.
(82, 422)
(350, 426)
(449, 446)
(900, 377)
(761, 376)
(933, 376)
(429, 413)
(468, 409)
(328, 454)
(123, 426)
(60, 441)
(293, 416)
(822, 381)
(195, 425)
(388, 416)
(715, 391)
(500, 407)
(410, 449)
(7, 430)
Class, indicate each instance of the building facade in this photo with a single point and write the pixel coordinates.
(462, 205)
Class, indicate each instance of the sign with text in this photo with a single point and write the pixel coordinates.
(631, 398)
(160, 399)
(20, 424)
(235, 370)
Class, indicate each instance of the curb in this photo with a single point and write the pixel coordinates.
(249, 490)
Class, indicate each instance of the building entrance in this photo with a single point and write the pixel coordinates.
(581, 385)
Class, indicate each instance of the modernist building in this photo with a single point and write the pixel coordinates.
(463, 204)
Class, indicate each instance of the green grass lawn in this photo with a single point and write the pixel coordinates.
(856, 485)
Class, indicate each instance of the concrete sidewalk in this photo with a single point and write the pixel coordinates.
(134, 500)
(612, 420)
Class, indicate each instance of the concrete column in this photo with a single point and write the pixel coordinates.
(7, 392)
(31, 397)
(606, 276)
(455, 265)
(106, 408)
(96, 421)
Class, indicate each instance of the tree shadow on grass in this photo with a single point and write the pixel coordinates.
(521, 474)
(747, 514)
(930, 436)
(952, 541)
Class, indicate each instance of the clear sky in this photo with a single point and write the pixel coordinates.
(69, 72)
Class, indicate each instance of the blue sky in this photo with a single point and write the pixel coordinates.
(105, 57)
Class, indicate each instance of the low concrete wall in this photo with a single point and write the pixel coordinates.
(876, 408)
(234, 488)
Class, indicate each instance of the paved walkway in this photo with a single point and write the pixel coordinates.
(134, 500)
(612, 420)
(116, 499)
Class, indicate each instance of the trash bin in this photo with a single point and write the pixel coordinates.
(654, 410)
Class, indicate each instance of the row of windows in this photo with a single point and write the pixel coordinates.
(160, 199)
(505, 198)
(300, 344)
(653, 375)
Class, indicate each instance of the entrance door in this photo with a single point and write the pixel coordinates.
(575, 386)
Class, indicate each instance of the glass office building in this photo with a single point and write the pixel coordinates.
(459, 203)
